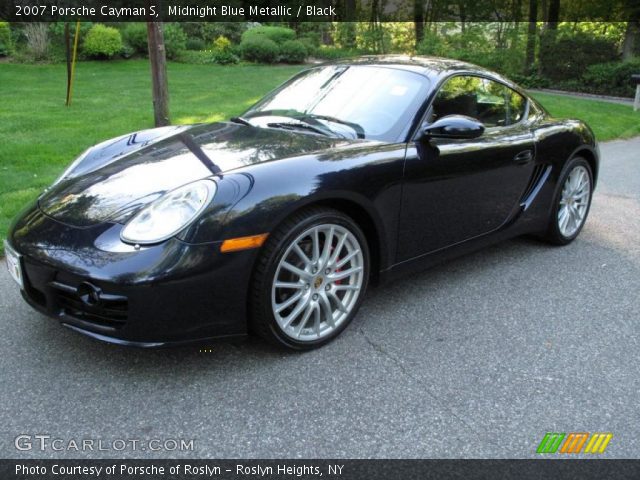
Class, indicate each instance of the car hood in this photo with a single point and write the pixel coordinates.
(118, 177)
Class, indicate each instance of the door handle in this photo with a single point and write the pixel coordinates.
(523, 157)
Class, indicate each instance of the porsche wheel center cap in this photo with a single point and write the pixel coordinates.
(317, 283)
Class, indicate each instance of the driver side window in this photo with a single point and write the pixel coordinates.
(494, 104)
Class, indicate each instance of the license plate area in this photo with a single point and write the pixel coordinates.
(14, 264)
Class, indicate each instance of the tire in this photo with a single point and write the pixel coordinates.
(563, 226)
(293, 306)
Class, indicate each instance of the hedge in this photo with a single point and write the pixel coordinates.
(6, 43)
(293, 51)
(279, 35)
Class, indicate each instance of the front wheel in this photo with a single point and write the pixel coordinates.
(310, 279)
(571, 203)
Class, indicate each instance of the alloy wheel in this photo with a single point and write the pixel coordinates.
(317, 282)
(574, 201)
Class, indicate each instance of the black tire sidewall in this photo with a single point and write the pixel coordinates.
(265, 313)
(554, 229)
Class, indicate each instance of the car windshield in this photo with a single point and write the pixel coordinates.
(350, 101)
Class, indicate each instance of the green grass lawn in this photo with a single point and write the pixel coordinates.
(608, 120)
(39, 136)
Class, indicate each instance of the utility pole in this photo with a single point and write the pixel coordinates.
(158, 60)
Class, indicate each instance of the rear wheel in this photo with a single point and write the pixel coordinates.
(571, 203)
(310, 279)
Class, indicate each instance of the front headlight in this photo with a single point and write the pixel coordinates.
(169, 214)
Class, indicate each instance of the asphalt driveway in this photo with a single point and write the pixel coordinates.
(476, 358)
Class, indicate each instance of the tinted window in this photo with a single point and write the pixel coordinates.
(492, 103)
(381, 100)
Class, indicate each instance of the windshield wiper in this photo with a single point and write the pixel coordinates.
(355, 126)
(302, 126)
(241, 121)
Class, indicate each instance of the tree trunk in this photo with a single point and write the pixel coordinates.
(531, 37)
(554, 15)
(158, 60)
(418, 20)
(350, 17)
(631, 40)
(517, 18)
(544, 9)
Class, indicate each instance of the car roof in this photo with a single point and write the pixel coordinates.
(431, 67)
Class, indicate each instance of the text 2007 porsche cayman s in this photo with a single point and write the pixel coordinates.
(275, 222)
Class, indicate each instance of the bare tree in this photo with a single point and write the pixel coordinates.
(418, 20)
(531, 37)
(630, 45)
(158, 60)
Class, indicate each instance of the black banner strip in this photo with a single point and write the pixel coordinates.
(309, 10)
(314, 469)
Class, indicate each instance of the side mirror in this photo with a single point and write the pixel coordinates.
(454, 126)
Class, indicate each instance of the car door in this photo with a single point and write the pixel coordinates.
(457, 189)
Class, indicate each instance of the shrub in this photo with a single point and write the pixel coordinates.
(259, 49)
(37, 35)
(293, 51)
(175, 40)
(278, 35)
(567, 57)
(56, 32)
(135, 36)
(506, 61)
(225, 57)
(6, 43)
(310, 44)
(432, 44)
(194, 43)
(611, 78)
(222, 44)
(102, 42)
(530, 81)
(209, 31)
(222, 51)
(198, 57)
(127, 51)
(334, 53)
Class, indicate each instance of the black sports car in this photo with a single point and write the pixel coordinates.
(275, 222)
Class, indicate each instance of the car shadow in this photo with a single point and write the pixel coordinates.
(220, 353)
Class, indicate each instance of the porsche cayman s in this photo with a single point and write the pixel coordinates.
(275, 222)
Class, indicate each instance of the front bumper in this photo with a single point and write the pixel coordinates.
(171, 293)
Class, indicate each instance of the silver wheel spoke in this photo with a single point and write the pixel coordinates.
(332, 296)
(326, 251)
(301, 254)
(338, 249)
(287, 303)
(346, 259)
(308, 308)
(325, 305)
(344, 274)
(316, 321)
(296, 286)
(296, 270)
(316, 245)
